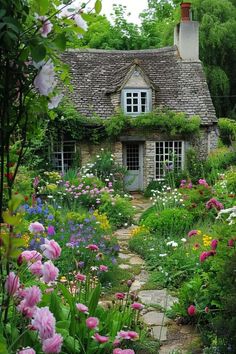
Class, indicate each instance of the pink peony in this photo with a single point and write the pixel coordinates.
(192, 310)
(51, 249)
(53, 344)
(130, 335)
(36, 268)
(117, 351)
(137, 306)
(80, 277)
(26, 310)
(49, 272)
(82, 308)
(31, 256)
(119, 296)
(92, 322)
(214, 244)
(12, 283)
(93, 247)
(33, 295)
(27, 350)
(51, 230)
(44, 322)
(36, 227)
(45, 80)
(103, 268)
(100, 339)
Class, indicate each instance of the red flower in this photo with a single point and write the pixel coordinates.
(192, 310)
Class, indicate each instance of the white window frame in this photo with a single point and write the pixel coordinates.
(58, 148)
(139, 104)
(167, 157)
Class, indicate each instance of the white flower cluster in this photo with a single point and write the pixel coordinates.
(232, 215)
(166, 198)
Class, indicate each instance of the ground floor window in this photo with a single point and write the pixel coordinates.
(169, 156)
(63, 155)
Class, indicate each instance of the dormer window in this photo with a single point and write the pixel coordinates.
(136, 101)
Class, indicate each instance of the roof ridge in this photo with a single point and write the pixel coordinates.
(102, 51)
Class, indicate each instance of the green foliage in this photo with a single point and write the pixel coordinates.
(227, 128)
(166, 223)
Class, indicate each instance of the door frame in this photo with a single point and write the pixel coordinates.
(141, 160)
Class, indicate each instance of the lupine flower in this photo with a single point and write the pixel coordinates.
(103, 268)
(45, 81)
(49, 272)
(12, 283)
(32, 295)
(80, 277)
(36, 227)
(92, 322)
(192, 310)
(120, 296)
(36, 182)
(100, 339)
(137, 306)
(82, 308)
(51, 249)
(44, 322)
(53, 344)
(36, 268)
(214, 244)
(54, 101)
(26, 310)
(27, 350)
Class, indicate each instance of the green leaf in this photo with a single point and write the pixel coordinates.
(55, 307)
(38, 52)
(2, 12)
(63, 324)
(24, 54)
(43, 6)
(3, 343)
(98, 6)
(11, 219)
(93, 302)
(15, 201)
(67, 295)
(72, 345)
(60, 41)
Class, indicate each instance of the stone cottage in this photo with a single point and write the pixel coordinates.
(138, 81)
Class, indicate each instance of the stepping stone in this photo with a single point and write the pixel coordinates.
(136, 260)
(136, 285)
(172, 348)
(124, 256)
(155, 318)
(143, 276)
(124, 266)
(157, 297)
(160, 333)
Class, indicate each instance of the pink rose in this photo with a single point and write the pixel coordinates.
(92, 322)
(33, 295)
(49, 272)
(100, 339)
(82, 308)
(12, 283)
(192, 310)
(120, 296)
(36, 268)
(31, 256)
(51, 249)
(93, 247)
(44, 322)
(80, 277)
(27, 350)
(137, 306)
(36, 227)
(53, 344)
(103, 268)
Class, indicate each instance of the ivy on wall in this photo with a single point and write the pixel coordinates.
(96, 129)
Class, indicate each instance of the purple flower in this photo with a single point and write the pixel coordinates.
(46, 26)
(54, 101)
(51, 230)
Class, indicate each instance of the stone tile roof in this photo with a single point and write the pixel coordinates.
(181, 85)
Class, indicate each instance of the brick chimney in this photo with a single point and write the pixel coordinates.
(186, 35)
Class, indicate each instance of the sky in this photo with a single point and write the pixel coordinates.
(133, 6)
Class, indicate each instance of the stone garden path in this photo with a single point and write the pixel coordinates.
(173, 338)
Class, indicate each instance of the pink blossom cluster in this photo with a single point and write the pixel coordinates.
(129, 335)
(204, 255)
(203, 182)
(123, 351)
(186, 184)
(214, 203)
